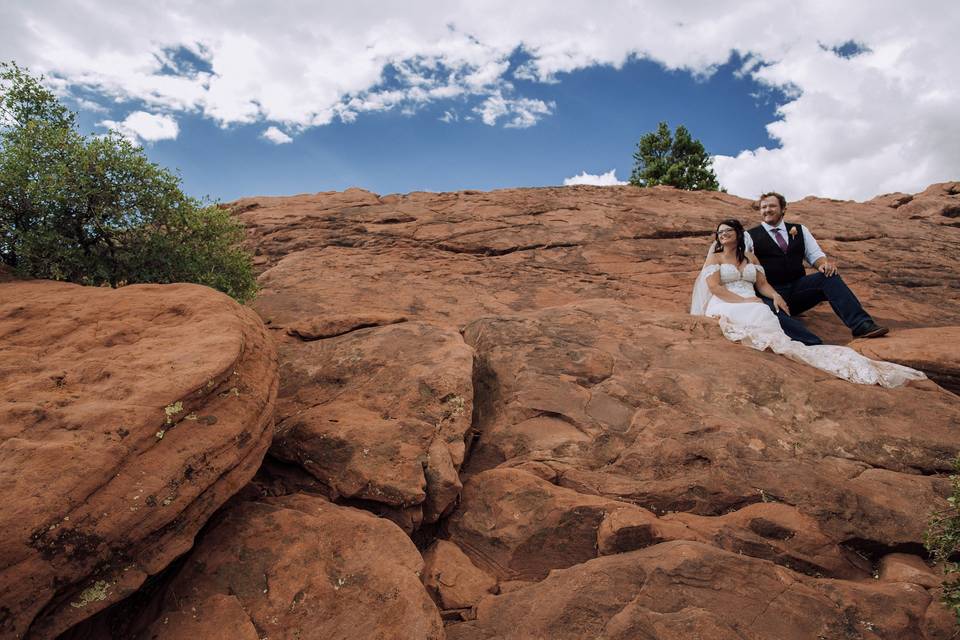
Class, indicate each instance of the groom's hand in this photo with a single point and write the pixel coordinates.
(827, 267)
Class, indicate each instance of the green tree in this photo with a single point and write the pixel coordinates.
(95, 210)
(677, 160)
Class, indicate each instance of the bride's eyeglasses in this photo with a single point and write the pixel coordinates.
(723, 232)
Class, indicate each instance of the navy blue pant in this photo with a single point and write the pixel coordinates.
(811, 290)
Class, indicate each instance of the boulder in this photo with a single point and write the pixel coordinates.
(379, 414)
(300, 567)
(905, 567)
(454, 581)
(129, 417)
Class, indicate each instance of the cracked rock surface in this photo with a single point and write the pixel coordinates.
(301, 567)
(628, 472)
(513, 379)
(128, 417)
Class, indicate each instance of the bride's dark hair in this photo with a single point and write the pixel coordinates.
(734, 224)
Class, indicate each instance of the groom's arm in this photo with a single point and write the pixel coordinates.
(815, 255)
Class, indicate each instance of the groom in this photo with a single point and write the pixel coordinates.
(781, 248)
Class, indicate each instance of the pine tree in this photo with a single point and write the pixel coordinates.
(676, 160)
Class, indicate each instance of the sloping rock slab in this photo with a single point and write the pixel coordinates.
(662, 412)
(681, 590)
(935, 351)
(452, 257)
(937, 204)
(128, 417)
(302, 568)
(380, 414)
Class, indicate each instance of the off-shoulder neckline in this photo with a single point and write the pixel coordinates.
(738, 270)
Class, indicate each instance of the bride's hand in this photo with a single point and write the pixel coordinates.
(780, 303)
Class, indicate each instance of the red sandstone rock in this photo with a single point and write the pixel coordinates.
(632, 405)
(689, 590)
(937, 204)
(301, 567)
(519, 526)
(129, 417)
(451, 257)
(333, 326)
(455, 581)
(903, 567)
(686, 422)
(936, 351)
(770, 531)
(617, 423)
(379, 414)
(219, 617)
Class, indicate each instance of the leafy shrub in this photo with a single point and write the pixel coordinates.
(942, 540)
(95, 210)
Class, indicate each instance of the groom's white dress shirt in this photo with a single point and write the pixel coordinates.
(812, 250)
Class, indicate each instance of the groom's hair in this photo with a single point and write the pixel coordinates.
(734, 224)
(779, 197)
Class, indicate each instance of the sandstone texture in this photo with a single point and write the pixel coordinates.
(936, 351)
(555, 448)
(128, 417)
(680, 590)
(454, 581)
(300, 567)
(381, 415)
(626, 472)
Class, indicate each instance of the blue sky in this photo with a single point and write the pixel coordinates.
(844, 101)
(600, 115)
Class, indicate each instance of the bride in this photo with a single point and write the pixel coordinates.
(726, 289)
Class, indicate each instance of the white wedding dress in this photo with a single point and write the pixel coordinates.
(753, 324)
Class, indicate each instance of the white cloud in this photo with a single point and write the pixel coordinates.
(607, 179)
(519, 112)
(276, 136)
(140, 127)
(850, 127)
(90, 106)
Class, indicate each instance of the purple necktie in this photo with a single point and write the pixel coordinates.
(780, 240)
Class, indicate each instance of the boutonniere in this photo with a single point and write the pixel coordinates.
(793, 232)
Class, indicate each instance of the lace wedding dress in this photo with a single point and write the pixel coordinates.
(754, 325)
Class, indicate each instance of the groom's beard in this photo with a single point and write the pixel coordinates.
(774, 222)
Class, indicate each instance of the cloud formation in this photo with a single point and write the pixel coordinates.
(276, 136)
(519, 113)
(876, 115)
(141, 127)
(607, 179)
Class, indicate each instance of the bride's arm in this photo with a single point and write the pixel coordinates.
(766, 289)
